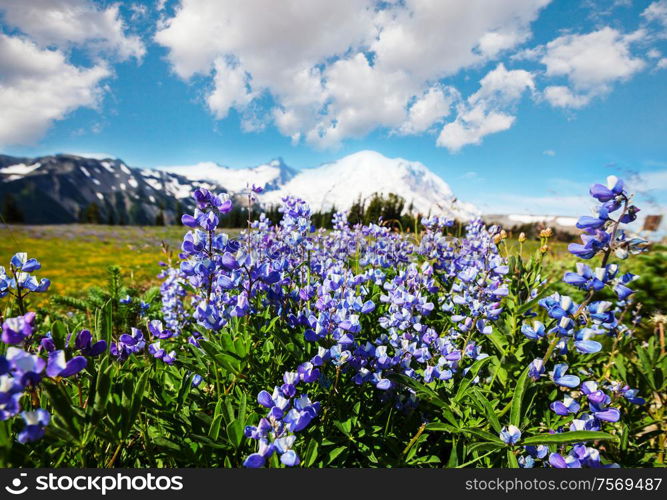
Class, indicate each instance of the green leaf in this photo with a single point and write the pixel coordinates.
(483, 404)
(59, 334)
(335, 452)
(499, 340)
(470, 376)
(64, 407)
(311, 454)
(486, 436)
(517, 399)
(441, 427)
(235, 433)
(568, 437)
(214, 429)
(104, 321)
(137, 398)
(511, 460)
(102, 386)
(165, 443)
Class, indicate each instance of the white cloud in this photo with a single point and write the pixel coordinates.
(231, 88)
(66, 23)
(657, 11)
(39, 83)
(561, 96)
(662, 63)
(591, 63)
(341, 69)
(430, 108)
(649, 181)
(38, 86)
(487, 111)
(549, 152)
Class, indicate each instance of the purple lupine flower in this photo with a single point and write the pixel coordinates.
(559, 377)
(57, 366)
(565, 407)
(128, 344)
(84, 342)
(606, 193)
(27, 367)
(534, 332)
(510, 434)
(16, 330)
(35, 422)
(157, 329)
(157, 352)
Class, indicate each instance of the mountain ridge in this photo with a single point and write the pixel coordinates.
(65, 188)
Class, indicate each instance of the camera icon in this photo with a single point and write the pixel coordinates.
(15, 488)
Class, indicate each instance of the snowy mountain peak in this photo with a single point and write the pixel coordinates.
(361, 175)
(340, 183)
(269, 176)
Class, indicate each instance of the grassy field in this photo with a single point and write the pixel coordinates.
(75, 256)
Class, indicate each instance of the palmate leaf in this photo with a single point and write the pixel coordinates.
(482, 403)
(569, 437)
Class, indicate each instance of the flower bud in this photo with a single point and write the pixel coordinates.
(522, 237)
(546, 233)
(544, 248)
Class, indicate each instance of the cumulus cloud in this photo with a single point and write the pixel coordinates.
(428, 109)
(231, 88)
(488, 110)
(591, 63)
(38, 86)
(657, 11)
(333, 74)
(66, 23)
(38, 82)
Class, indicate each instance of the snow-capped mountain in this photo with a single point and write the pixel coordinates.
(270, 176)
(68, 188)
(360, 175)
(339, 184)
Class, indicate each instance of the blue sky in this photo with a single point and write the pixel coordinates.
(518, 106)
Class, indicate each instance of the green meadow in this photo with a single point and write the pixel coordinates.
(76, 257)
